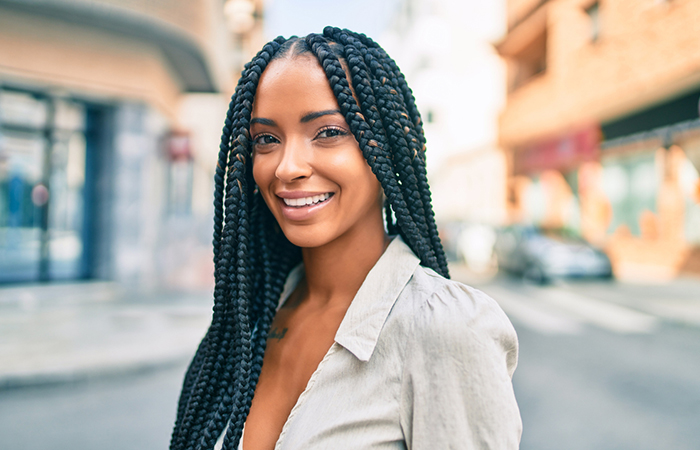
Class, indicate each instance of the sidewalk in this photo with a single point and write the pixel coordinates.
(64, 332)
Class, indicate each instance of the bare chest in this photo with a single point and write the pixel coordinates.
(296, 345)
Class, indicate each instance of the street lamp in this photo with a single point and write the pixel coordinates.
(240, 15)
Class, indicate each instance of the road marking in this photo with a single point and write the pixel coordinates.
(683, 311)
(596, 312)
(553, 310)
(534, 315)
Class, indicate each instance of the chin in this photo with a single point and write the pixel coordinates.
(308, 238)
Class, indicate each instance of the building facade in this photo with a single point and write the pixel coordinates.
(444, 49)
(602, 129)
(107, 146)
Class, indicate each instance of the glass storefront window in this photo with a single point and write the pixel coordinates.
(21, 155)
(180, 188)
(689, 179)
(42, 178)
(22, 109)
(66, 211)
(535, 202)
(632, 185)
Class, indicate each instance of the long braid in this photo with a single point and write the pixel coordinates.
(368, 103)
(412, 124)
(410, 121)
(253, 257)
(371, 148)
(273, 273)
(405, 149)
(399, 81)
(221, 325)
(197, 374)
(392, 112)
(190, 379)
(223, 366)
(205, 390)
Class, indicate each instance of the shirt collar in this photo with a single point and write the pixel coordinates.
(365, 318)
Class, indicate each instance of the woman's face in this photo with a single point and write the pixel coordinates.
(306, 161)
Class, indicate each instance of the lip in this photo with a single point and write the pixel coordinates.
(300, 194)
(299, 213)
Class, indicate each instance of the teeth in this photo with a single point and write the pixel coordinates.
(307, 200)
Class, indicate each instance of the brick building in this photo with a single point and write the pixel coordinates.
(601, 126)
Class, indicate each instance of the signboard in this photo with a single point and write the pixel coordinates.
(561, 153)
(177, 146)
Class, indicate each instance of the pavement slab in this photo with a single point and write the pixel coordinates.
(67, 332)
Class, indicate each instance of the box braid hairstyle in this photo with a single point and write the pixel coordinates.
(252, 256)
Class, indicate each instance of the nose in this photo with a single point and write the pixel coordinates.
(294, 164)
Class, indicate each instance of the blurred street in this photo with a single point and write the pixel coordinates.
(603, 365)
(563, 139)
(93, 365)
(126, 412)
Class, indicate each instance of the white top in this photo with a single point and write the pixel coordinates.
(419, 362)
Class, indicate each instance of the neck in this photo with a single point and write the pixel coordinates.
(335, 271)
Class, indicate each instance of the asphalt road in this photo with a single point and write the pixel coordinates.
(603, 391)
(606, 366)
(602, 366)
(129, 412)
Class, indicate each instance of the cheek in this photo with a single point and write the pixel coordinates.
(361, 178)
(257, 176)
(362, 171)
(263, 170)
(262, 177)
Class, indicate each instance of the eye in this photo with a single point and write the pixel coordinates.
(331, 132)
(264, 139)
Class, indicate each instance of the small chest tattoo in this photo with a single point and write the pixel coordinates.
(276, 333)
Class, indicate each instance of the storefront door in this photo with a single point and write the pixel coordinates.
(42, 187)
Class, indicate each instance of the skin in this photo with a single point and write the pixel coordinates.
(302, 144)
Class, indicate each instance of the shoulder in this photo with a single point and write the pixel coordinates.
(444, 315)
(457, 365)
(434, 304)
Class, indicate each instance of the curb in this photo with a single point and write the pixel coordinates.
(68, 376)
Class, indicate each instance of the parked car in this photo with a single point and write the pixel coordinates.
(541, 255)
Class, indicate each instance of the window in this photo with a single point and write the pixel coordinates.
(525, 48)
(43, 150)
(530, 61)
(180, 168)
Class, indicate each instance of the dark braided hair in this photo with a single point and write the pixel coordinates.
(253, 257)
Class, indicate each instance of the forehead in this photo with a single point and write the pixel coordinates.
(293, 83)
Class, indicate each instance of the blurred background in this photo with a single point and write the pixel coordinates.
(563, 155)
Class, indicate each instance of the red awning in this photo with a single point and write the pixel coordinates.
(562, 153)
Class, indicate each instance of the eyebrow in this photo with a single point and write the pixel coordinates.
(262, 121)
(307, 118)
(315, 115)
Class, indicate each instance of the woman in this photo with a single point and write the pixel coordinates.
(334, 324)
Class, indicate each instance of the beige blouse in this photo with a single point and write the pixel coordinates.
(419, 362)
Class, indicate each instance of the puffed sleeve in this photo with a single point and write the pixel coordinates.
(456, 389)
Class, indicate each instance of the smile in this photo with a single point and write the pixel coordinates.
(307, 201)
